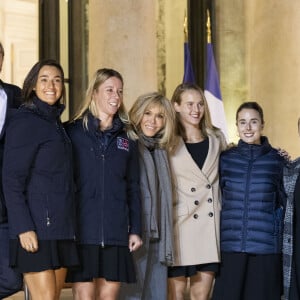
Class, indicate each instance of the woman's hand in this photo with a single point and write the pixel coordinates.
(29, 241)
(285, 154)
(135, 242)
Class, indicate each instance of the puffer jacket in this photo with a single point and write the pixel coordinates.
(107, 183)
(252, 199)
(37, 173)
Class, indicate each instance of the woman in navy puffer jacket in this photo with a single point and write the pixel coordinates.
(252, 211)
(108, 193)
(38, 184)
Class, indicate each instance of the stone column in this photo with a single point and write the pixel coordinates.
(258, 54)
(230, 52)
(273, 67)
(122, 36)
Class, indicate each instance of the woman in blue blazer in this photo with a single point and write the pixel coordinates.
(107, 190)
(38, 184)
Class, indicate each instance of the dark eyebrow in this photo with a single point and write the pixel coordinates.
(57, 76)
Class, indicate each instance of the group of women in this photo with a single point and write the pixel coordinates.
(128, 206)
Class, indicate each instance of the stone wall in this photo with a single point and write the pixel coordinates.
(122, 36)
(258, 54)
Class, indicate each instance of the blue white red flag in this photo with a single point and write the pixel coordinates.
(212, 92)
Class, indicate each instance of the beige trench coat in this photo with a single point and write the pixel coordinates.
(197, 205)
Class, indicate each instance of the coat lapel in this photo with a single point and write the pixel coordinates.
(212, 159)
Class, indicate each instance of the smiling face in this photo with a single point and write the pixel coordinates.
(109, 96)
(49, 85)
(249, 125)
(153, 121)
(191, 108)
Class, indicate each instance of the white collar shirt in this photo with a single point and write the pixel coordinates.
(3, 107)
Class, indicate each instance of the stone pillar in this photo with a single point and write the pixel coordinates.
(122, 36)
(174, 36)
(258, 53)
(273, 67)
(230, 52)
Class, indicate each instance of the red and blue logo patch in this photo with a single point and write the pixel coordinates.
(123, 143)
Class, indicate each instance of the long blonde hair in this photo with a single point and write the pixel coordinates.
(145, 102)
(205, 123)
(89, 104)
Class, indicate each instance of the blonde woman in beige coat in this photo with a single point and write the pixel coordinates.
(196, 207)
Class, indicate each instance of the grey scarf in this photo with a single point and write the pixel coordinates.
(154, 162)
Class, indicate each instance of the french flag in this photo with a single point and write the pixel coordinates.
(212, 92)
(189, 75)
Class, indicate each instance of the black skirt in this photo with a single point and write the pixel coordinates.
(188, 271)
(113, 263)
(249, 277)
(51, 255)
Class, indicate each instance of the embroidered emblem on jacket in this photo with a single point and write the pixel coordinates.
(122, 143)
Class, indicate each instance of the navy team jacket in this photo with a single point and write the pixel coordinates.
(107, 183)
(37, 174)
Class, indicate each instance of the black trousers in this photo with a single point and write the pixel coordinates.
(245, 276)
(10, 280)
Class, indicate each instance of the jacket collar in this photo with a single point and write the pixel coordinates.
(254, 150)
(94, 122)
(50, 112)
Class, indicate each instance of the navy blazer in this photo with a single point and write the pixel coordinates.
(13, 94)
(107, 183)
(37, 174)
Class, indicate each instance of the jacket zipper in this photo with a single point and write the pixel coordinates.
(246, 200)
(48, 221)
(102, 200)
(103, 150)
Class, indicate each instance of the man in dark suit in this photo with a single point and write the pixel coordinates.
(10, 99)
